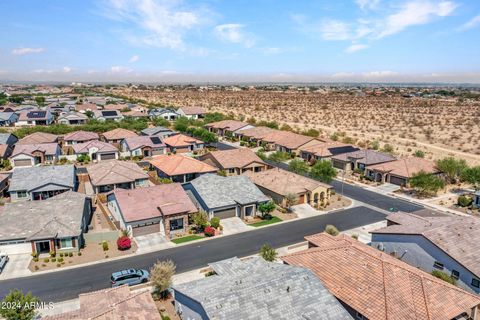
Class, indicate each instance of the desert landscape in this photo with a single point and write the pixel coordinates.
(439, 126)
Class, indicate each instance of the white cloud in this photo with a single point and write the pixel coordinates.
(120, 69)
(335, 30)
(416, 12)
(470, 24)
(233, 32)
(66, 69)
(23, 51)
(356, 47)
(134, 58)
(367, 4)
(163, 23)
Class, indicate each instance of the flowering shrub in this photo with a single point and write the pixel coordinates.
(209, 231)
(124, 243)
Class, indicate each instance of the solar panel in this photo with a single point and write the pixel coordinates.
(109, 113)
(37, 114)
(156, 140)
(345, 149)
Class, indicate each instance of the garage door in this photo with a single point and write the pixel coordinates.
(397, 181)
(226, 213)
(144, 230)
(107, 156)
(22, 162)
(16, 248)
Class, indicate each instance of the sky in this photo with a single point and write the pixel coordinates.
(240, 40)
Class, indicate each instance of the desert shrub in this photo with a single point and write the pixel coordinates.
(105, 245)
(215, 222)
(161, 275)
(419, 154)
(70, 254)
(331, 230)
(464, 201)
(124, 243)
(444, 276)
(209, 231)
(268, 253)
(60, 260)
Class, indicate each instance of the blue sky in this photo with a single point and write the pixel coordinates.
(304, 40)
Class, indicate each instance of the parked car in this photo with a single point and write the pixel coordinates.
(129, 276)
(3, 261)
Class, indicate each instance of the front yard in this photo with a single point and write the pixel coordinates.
(261, 223)
(187, 239)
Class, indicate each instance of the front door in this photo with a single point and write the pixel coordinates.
(249, 211)
(43, 246)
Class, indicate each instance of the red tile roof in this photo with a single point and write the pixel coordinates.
(193, 110)
(38, 137)
(81, 136)
(177, 164)
(181, 140)
(230, 125)
(119, 134)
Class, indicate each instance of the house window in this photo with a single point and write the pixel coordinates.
(438, 265)
(49, 158)
(176, 224)
(475, 283)
(360, 316)
(455, 274)
(21, 194)
(66, 243)
(231, 170)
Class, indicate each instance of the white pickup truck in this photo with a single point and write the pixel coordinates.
(3, 261)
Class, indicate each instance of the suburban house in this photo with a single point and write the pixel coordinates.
(42, 182)
(46, 226)
(320, 150)
(287, 141)
(96, 150)
(279, 184)
(374, 285)
(107, 115)
(167, 114)
(191, 112)
(143, 146)
(181, 143)
(227, 127)
(235, 161)
(38, 138)
(434, 242)
(86, 107)
(106, 176)
(34, 118)
(254, 134)
(253, 288)
(157, 131)
(136, 114)
(112, 303)
(179, 168)
(33, 154)
(72, 118)
(226, 197)
(7, 141)
(400, 171)
(116, 136)
(476, 199)
(79, 137)
(359, 160)
(162, 208)
(7, 119)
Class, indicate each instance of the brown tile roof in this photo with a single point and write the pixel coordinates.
(322, 148)
(287, 139)
(181, 140)
(113, 304)
(114, 171)
(99, 145)
(193, 110)
(366, 156)
(230, 125)
(256, 132)
(117, 107)
(135, 113)
(177, 164)
(86, 107)
(456, 236)
(235, 158)
(47, 148)
(141, 204)
(284, 182)
(406, 167)
(144, 141)
(118, 134)
(38, 137)
(81, 136)
(378, 285)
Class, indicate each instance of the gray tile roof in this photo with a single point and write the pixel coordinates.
(256, 289)
(217, 191)
(30, 178)
(155, 130)
(5, 137)
(366, 157)
(43, 219)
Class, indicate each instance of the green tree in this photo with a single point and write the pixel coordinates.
(452, 168)
(24, 306)
(323, 171)
(279, 156)
(298, 166)
(290, 200)
(426, 184)
(161, 122)
(161, 275)
(181, 124)
(472, 176)
(266, 208)
(444, 276)
(268, 253)
(40, 100)
(200, 219)
(331, 230)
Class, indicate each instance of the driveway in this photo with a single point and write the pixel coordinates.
(233, 225)
(387, 188)
(151, 242)
(17, 266)
(306, 211)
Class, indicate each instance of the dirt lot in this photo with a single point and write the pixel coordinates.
(437, 126)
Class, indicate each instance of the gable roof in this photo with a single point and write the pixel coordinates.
(230, 125)
(155, 130)
(72, 115)
(181, 140)
(217, 191)
(365, 156)
(378, 285)
(5, 137)
(114, 171)
(287, 139)
(256, 289)
(31, 178)
(458, 237)
(152, 202)
(35, 115)
(28, 149)
(328, 148)
(38, 137)
(178, 164)
(256, 132)
(118, 134)
(192, 110)
(4, 116)
(99, 145)
(234, 158)
(86, 107)
(43, 219)
(406, 167)
(144, 141)
(81, 136)
(284, 182)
